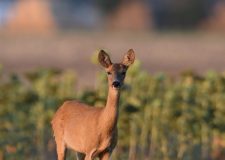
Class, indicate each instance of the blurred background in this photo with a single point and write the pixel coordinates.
(48, 51)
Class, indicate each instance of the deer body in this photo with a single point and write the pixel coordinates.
(91, 131)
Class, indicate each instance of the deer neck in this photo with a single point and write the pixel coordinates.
(110, 112)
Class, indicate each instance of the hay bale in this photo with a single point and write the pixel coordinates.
(33, 16)
(216, 21)
(134, 15)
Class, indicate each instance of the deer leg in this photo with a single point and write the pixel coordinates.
(91, 155)
(61, 149)
(87, 157)
(80, 156)
(104, 156)
(58, 134)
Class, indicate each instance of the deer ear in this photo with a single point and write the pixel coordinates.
(129, 58)
(104, 59)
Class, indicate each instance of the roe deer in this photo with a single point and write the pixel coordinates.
(92, 131)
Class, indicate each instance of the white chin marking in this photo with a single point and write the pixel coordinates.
(115, 87)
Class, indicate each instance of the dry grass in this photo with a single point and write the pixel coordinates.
(170, 53)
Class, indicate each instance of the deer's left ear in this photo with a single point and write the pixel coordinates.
(129, 58)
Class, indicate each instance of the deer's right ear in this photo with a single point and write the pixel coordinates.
(104, 59)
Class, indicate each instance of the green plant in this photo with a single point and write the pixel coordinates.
(161, 117)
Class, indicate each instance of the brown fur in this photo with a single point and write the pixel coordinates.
(91, 131)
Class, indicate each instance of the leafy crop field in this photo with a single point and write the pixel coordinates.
(161, 117)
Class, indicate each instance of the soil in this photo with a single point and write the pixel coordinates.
(171, 53)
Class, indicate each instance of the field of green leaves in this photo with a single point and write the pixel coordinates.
(161, 117)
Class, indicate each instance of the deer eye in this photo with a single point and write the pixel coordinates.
(109, 73)
(123, 73)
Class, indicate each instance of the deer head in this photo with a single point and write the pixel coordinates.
(116, 71)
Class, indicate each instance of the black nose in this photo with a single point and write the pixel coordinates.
(116, 84)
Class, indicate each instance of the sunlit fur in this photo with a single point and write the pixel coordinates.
(91, 131)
